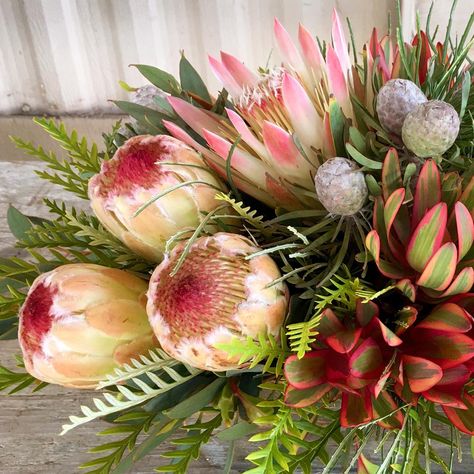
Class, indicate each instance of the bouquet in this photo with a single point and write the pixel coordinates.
(288, 263)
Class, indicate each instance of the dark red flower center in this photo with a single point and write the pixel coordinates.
(36, 317)
(135, 165)
(204, 294)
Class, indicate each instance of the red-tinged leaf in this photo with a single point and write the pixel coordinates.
(391, 208)
(365, 312)
(390, 270)
(383, 405)
(445, 397)
(329, 323)
(467, 197)
(380, 385)
(421, 374)
(427, 193)
(407, 288)
(465, 229)
(445, 349)
(307, 372)
(424, 55)
(356, 410)
(364, 466)
(389, 336)
(427, 237)
(440, 270)
(458, 376)
(344, 341)
(466, 301)
(379, 224)
(461, 284)
(391, 174)
(366, 362)
(405, 319)
(463, 420)
(303, 398)
(448, 317)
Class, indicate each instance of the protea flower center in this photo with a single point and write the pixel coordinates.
(215, 295)
(264, 100)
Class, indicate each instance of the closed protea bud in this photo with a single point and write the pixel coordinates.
(81, 321)
(340, 186)
(395, 100)
(216, 294)
(431, 128)
(141, 169)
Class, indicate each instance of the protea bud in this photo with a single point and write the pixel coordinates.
(81, 321)
(341, 187)
(143, 168)
(395, 100)
(431, 128)
(215, 295)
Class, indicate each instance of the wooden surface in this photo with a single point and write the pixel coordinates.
(30, 424)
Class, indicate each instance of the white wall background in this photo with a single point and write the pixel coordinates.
(66, 56)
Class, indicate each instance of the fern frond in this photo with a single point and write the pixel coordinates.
(302, 335)
(18, 381)
(189, 446)
(249, 215)
(343, 292)
(126, 398)
(266, 348)
(73, 173)
(157, 359)
(131, 425)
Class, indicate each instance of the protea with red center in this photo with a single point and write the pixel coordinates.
(371, 364)
(142, 169)
(218, 292)
(424, 244)
(81, 321)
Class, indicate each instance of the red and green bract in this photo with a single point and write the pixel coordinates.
(375, 369)
(424, 243)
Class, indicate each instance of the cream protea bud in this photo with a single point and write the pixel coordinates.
(215, 295)
(141, 169)
(81, 321)
(395, 100)
(431, 128)
(340, 186)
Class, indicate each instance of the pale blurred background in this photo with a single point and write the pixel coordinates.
(65, 58)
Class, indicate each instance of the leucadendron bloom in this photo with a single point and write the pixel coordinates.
(216, 294)
(144, 168)
(81, 321)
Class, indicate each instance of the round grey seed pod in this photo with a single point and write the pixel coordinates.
(395, 100)
(431, 128)
(340, 187)
(145, 96)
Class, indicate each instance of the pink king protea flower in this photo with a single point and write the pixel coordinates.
(142, 169)
(216, 294)
(81, 321)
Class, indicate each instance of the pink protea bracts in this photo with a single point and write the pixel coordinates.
(143, 168)
(216, 294)
(81, 321)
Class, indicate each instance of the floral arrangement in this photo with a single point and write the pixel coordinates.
(289, 263)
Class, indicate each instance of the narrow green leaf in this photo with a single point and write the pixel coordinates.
(191, 81)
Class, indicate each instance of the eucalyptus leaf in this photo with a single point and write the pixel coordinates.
(197, 401)
(159, 78)
(191, 81)
(240, 430)
(20, 223)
